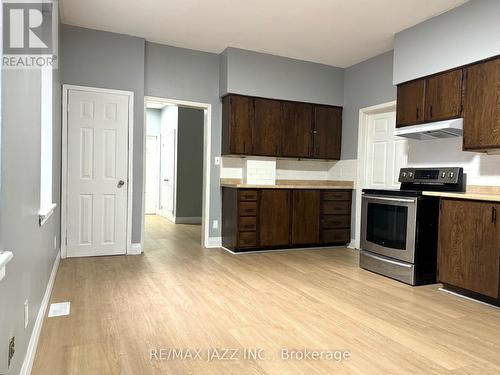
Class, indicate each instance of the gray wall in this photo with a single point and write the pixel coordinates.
(461, 36)
(178, 73)
(258, 74)
(100, 59)
(367, 83)
(32, 245)
(189, 163)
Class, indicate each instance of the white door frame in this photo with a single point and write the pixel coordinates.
(158, 145)
(364, 114)
(207, 131)
(64, 160)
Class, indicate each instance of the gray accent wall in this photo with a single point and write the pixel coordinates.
(33, 246)
(189, 163)
(461, 36)
(184, 74)
(366, 84)
(114, 61)
(259, 74)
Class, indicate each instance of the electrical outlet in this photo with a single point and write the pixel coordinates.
(215, 224)
(55, 242)
(12, 349)
(26, 314)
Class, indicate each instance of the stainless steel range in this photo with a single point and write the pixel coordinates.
(399, 228)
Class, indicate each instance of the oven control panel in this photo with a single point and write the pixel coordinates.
(430, 176)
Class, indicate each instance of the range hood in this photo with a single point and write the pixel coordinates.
(433, 130)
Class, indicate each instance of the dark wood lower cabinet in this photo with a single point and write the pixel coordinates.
(274, 218)
(305, 217)
(469, 246)
(261, 219)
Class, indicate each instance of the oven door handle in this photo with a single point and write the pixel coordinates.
(387, 199)
(387, 260)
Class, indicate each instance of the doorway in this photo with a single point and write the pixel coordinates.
(175, 162)
(96, 171)
(380, 154)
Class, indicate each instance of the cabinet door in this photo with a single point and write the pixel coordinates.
(274, 217)
(297, 129)
(443, 96)
(237, 119)
(410, 105)
(305, 216)
(267, 127)
(481, 108)
(469, 239)
(327, 132)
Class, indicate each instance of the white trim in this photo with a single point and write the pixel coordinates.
(64, 157)
(213, 242)
(206, 240)
(364, 113)
(188, 220)
(135, 249)
(5, 257)
(37, 328)
(45, 213)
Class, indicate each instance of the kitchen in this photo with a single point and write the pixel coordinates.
(417, 233)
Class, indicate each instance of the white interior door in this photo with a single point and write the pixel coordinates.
(168, 164)
(152, 175)
(97, 173)
(386, 153)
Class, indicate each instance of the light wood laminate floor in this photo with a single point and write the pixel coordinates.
(178, 295)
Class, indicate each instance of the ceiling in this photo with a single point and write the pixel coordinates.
(333, 32)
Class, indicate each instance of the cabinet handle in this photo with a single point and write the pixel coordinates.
(493, 215)
(418, 113)
(430, 111)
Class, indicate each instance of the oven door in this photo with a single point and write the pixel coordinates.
(388, 226)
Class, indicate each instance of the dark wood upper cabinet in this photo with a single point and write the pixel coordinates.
(443, 96)
(469, 251)
(411, 103)
(297, 129)
(274, 217)
(237, 123)
(481, 106)
(305, 217)
(327, 132)
(267, 129)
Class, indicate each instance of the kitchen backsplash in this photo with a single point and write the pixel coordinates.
(481, 169)
(291, 169)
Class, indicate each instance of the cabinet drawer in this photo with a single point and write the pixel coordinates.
(248, 195)
(248, 224)
(335, 221)
(247, 239)
(248, 208)
(337, 196)
(336, 236)
(336, 207)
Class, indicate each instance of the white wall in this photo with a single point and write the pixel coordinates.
(481, 169)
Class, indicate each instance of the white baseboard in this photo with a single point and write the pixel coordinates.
(213, 242)
(188, 220)
(37, 328)
(352, 244)
(135, 249)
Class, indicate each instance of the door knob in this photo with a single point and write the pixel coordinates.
(121, 183)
